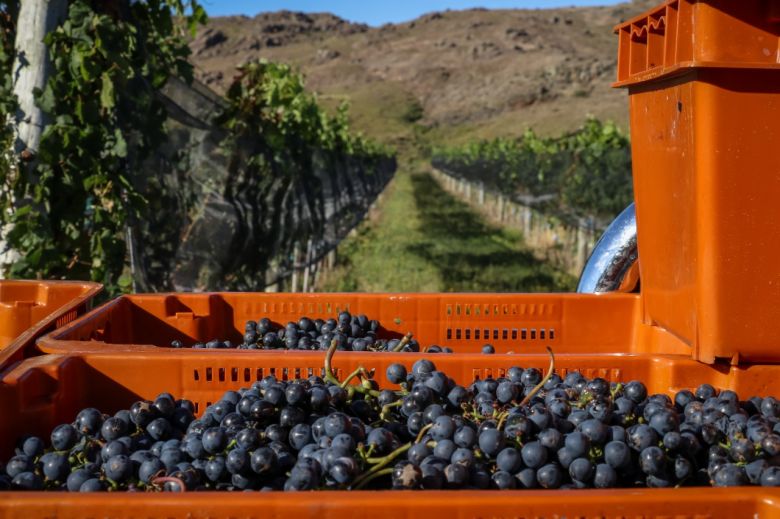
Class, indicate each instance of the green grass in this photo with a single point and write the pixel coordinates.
(425, 240)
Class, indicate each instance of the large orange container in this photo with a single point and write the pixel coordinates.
(520, 323)
(29, 309)
(703, 79)
(44, 391)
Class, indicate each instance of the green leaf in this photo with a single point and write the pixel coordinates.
(125, 281)
(46, 100)
(107, 92)
(120, 146)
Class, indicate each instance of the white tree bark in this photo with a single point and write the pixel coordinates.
(32, 66)
(31, 70)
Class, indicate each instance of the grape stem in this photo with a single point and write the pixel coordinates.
(365, 481)
(404, 342)
(386, 408)
(329, 376)
(503, 416)
(422, 433)
(381, 463)
(169, 479)
(360, 370)
(541, 384)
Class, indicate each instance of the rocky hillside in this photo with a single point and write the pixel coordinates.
(452, 75)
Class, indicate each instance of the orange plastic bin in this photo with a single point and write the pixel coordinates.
(44, 391)
(703, 79)
(518, 323)
(29, 309)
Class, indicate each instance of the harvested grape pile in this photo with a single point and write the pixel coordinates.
(351, 333)
(517, 432)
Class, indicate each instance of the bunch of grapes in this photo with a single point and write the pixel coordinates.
(351, 333)
(524, 430)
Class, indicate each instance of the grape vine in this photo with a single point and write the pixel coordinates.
(69, 213)
(280, 141)
(588, 171)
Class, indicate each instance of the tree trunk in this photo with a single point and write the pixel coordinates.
(32, 67)
(31, 70)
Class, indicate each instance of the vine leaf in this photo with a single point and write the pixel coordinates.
(46, 99)
(106, 92)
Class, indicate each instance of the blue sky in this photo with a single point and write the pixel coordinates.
(377, 12)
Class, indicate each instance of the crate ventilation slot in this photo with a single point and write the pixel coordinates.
(320, 309)
(499, 310)
(504, 334)
(249, 375)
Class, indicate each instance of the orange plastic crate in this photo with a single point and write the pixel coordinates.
(29, 309)
(703, 79)
(44, 391)
(521, 323)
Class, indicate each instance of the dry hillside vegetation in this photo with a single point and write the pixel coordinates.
(458, 74)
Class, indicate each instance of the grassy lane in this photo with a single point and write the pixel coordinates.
(426, 240)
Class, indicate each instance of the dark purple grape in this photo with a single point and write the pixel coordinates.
(705, 391)
(770, 477)
(290, 416)
(55, 466)
(457, 396)
(549, 476)
(89, 421)
(605, 476)
(491, 441)
(594, 430)
(381, 439)
(729, 475)
(158, 429)
(237, 461)
(300, 436)
(337, 423)
(77, 478)
(617, 455)
(263, 461)
(444, 449)
(456, 475)
(18, 464)
(577, 443)
(507, 391)
(418, 452)
(534, 454)
(65, 436)
(635, 391)
(652, 461)
(755, 469)
(582, 470)
(504, 480)
(423, 367)
(665, 421)
(443, 428)
(118, 468)
(509, 460)
(214, 440)
(433, 477)
(463, 456)
(641, 436)
(551, 439)
(343, 470)
(27, 481)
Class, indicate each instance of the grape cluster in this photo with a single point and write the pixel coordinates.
(351, 333)
(514, 432)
